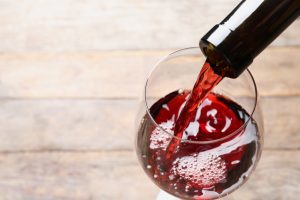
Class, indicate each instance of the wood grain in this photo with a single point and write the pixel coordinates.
(121, 74)
(281, 120)
(116, 175)
(72, 124)
(66, 25)
(277, 72)
(73, 176)
(83, 75)
(67, 124)
(276, 177)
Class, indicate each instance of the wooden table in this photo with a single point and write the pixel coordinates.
(71, 75)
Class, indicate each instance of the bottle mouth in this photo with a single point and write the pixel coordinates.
(220, 44)
(189, 51)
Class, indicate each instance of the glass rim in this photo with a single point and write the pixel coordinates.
(165, 58)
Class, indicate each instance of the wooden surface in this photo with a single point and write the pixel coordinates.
(71, 75)
(78, 25)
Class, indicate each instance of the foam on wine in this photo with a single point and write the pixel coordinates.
(203, 169)
(159, 138)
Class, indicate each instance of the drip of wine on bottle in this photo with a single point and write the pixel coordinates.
(206, 81)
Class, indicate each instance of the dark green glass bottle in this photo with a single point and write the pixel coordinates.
(232, 45)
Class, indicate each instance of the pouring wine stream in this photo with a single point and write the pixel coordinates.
(206, 81)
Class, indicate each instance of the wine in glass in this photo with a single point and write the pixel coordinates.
(221, 144)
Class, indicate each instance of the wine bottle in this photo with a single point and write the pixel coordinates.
(232, 45)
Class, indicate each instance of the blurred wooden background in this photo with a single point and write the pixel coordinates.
(71, 72)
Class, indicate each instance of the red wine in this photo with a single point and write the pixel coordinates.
(194, 170)
(206, 81)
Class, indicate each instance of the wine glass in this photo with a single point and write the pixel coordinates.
(199, 169)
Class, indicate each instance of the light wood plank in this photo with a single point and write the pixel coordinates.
(277, 71)
(109, 124)
(116, 175)
(73, 176)
(67, 124)
(122, 73)
(83, 75)
(67, 25)
(281, 120)
(276, 177)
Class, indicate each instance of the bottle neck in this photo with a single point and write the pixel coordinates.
(232, 45)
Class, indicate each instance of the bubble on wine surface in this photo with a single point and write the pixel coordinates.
(165, 106)
(159, 138)
(181, 91)
(204, 170)
(235, 162)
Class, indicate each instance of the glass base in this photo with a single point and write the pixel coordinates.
(165, 196)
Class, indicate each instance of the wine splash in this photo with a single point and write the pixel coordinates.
(206, 81)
